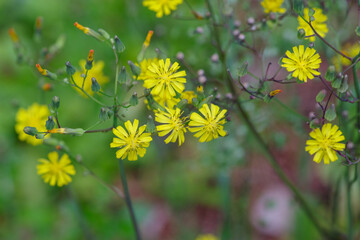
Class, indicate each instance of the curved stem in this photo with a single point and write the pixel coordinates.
(128, 199)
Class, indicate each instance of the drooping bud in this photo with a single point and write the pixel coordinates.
(105, 114)
(301, 33)
(30, 131)
(89, 60)
(70, 69)
(50, 124)
(46, 72)
(86, 30)
(95, 87)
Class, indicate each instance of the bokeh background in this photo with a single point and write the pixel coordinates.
(224, 187)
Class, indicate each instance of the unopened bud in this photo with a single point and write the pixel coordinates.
(180, 55)
(301, 33)
(13, 35)
(251, 21)
(236, 32)
(148, 38)
(241, 37)
(199, 30)
(89, 60)
(70, 69)
(215, 58)
(40, 135)
(134, 99)
(275, 92)
(312, 115)
(38, 23)
(55, 103)
(89, 31)
(202, 79)
(200, 72)
(237, 23)
(119, 46)
(95, 87)
(122, 75)
(50, 124)
(350, 145)
(46, 72)
(46, 87)
(86, 30)
(134, 69)
(311, 44)
(105, 114)
(200, 89)
(30, 131)
(150, 125)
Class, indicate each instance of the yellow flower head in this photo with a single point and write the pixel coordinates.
(209, 125)
(55, 171)
(319, 23)
(302, 63)
(206, 237)
(144, 64)
(172, 124)
(350, 50)
(132, 141)
(34, 116)
(325, 143)
(162, 7)
(164, 80)
(96, 71)
(188, 95)
(273, 6)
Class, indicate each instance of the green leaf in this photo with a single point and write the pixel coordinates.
(330, 113)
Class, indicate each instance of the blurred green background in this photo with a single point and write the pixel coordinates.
(178, 193)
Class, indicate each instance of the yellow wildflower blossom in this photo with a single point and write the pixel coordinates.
(144, 64)
(55, 171)
(132, 141)
(171, 123)
(350, 50)
(273, 6)
(34, 116)
(206, 237)
(96, 72)
(325, 143)
(164, 80)
(162, 7)
(302, 63)
(319, 23)
(209, 125)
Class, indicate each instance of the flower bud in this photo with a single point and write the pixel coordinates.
(275, 92)
(55, 103)
(70, 69)
(251, 20)
(215, 58)
(180, 55)
(301, 33)
(202, 79)
(119, 46)
(122, 76)
(95, 87)
(89, 60)
(46, 72)
(30, 131)
(150, 125)
(104, 114)
(237, 23)
(134, 69)
(200, 89)
(134, 99)
(200, 72)
(148, 39)
(89, 31)
(14, 37)
(40, 135)
(50, 124)
(199, 30)
(46, 87)
(38, 28)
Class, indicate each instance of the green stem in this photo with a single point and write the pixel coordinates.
(88, 95)
(357, 90)
(128, 199)
(348, 203)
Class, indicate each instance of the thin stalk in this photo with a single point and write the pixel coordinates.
(357, 90)
(88, 95)
(128, 199)
(350, 233)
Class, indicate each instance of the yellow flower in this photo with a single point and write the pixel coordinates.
(95, 71)
(172, 124)
(206, 237)
(209, 125)
(325, 143)
(144, 67)
(34, 116)
(273, 6)
(132, 142)
(319, 23)
(162, 7)
(350, 50)
(55, 171)
(302, 63)
(164, 80)
(188, 95)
